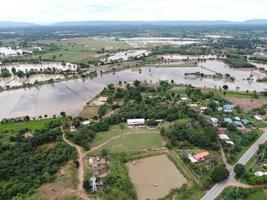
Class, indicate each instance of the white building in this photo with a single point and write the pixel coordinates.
(260, 173)
(258, 118)
(135, 122)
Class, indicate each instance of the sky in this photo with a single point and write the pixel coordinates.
(49, 11)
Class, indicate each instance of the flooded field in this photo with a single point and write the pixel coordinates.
(145, 42)
(70, 96)
(40, 66)
(16, 82)
(154, 177)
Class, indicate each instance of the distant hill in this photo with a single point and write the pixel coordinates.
(167, 23)
(256, 21)
(7, 24)
(116, 23)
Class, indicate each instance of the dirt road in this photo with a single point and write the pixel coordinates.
(81, 191)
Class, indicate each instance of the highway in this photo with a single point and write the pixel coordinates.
(219, 187)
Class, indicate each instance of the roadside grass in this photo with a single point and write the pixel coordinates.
(10, 129)
(249, 194)
(193, 193)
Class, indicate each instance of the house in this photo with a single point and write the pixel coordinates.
(237, 119)
(135, 122)
(228, 108)
(192, 159)
(219, 109)
(238, 124)
(85, 123)
(193, 105)
(224, 137)
(201, 156)
(258, 118)
(73, 129)
(214, 120)
(260, 173)
(229, 142)
(203, 108)
(184, 98)
(245, 121)
(159, 120)
(228, 120)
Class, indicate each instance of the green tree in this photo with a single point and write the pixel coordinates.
(239, 170)
(219, 173)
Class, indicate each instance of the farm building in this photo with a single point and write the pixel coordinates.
(135, 122)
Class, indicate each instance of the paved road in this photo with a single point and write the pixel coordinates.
(219, 187)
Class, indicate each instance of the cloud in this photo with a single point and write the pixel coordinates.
(47, 11)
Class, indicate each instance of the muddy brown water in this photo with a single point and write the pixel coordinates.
(70, 96)
(154, 177)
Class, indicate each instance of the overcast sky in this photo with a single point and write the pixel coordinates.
(47, 11)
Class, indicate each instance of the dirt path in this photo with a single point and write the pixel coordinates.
(81, 191)
(227, 165)
(236, 183)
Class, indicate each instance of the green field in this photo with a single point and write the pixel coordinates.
(130, 139)
(10, 129)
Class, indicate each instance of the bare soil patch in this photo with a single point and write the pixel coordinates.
(248, 103)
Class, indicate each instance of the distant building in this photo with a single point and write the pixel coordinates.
(135, 122)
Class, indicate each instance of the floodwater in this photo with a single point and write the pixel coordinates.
(70, 96)
(154, 177)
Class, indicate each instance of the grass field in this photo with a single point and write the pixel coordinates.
(87, 44)
(7, 130)
(137, 139)
(248, 194)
